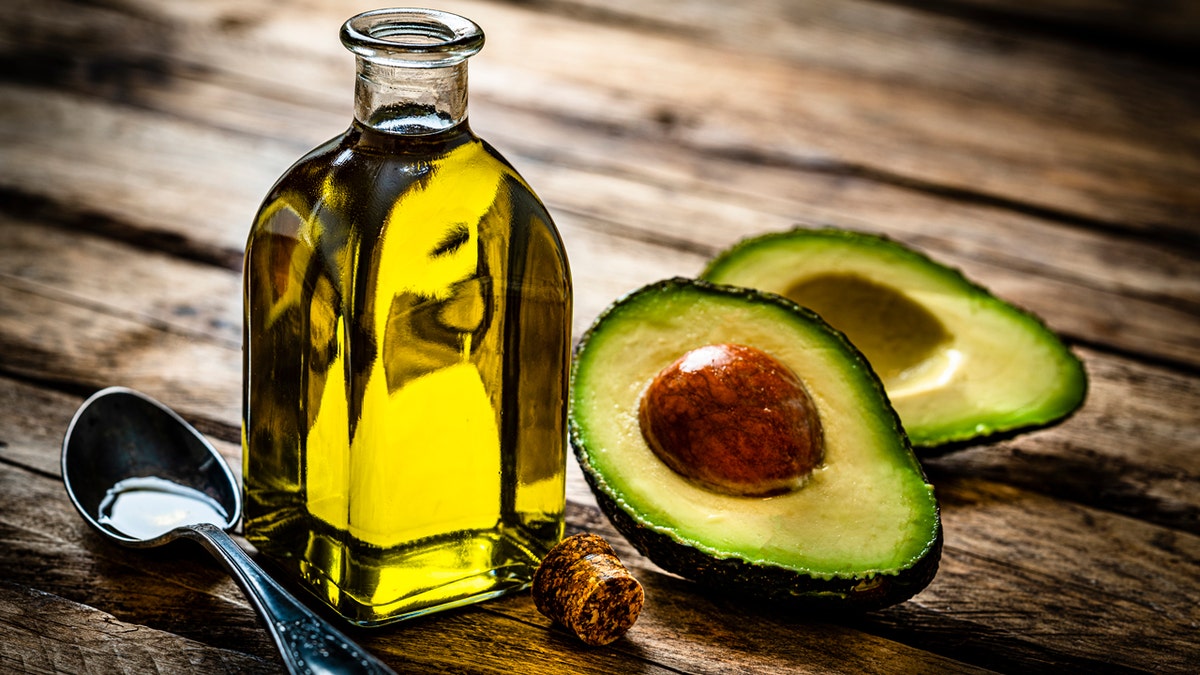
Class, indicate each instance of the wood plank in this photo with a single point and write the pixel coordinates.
(706, 204)
(939, 47)
(1111, 401)
(899, 127)
(157, 174)
(47, 546)
(34, 439)
(1163, 389)
(1112, 160)
(82, 348)
(1056, 168)
(44, 633)
(1027, 567)
(1011, 556)
(203, 302)
(148, 588)
(1141, 301)
(1169, 27)
(1020, 570)
(1001, 640)
(215, 105)
(929, 132)
(1180, 264)
(1157, 442)
(1144, 459)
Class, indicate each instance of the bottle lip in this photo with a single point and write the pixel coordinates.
(411, 37)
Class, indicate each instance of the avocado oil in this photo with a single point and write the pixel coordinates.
(407, 336)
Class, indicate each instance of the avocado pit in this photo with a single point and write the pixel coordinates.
(733, 419)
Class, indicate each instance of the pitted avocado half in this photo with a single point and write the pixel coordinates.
(959, 364)
(862, 530)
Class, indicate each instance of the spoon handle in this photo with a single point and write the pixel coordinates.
(307, 643)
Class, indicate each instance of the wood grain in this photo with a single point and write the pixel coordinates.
(149, 588)
(1019, 562)
(183, 347)
(703, 214)
(1096, 141)
(1023, 563)
(47, 634)
(1051, 152)
(680, 233)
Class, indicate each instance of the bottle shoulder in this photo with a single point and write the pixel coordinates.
(360, 177)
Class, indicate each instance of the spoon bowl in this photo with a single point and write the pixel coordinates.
(136, 470)
(142, 476)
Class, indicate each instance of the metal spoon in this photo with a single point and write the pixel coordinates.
(142, 476)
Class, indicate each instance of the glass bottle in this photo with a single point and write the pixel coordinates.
(406, 346)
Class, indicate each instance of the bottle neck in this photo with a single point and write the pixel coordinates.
(412, 101)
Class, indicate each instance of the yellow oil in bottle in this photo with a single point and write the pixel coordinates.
(407, 335)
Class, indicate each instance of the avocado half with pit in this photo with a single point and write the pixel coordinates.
(959, 364)
(738, 440)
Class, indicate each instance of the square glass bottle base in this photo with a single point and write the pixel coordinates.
(373, 587)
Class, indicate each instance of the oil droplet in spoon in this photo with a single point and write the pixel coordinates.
(149, 507)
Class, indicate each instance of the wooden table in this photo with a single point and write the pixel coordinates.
(1051, 152)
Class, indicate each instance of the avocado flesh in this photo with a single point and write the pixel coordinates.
(866, 518)
(958, 363)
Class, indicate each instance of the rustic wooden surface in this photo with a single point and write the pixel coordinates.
(1051, 151)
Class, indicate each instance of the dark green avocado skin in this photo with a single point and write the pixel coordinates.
(742, 579)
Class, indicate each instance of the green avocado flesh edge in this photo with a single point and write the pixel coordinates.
(867, 510)
(958, 363)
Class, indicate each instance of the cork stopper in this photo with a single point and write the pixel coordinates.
(582, 586)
